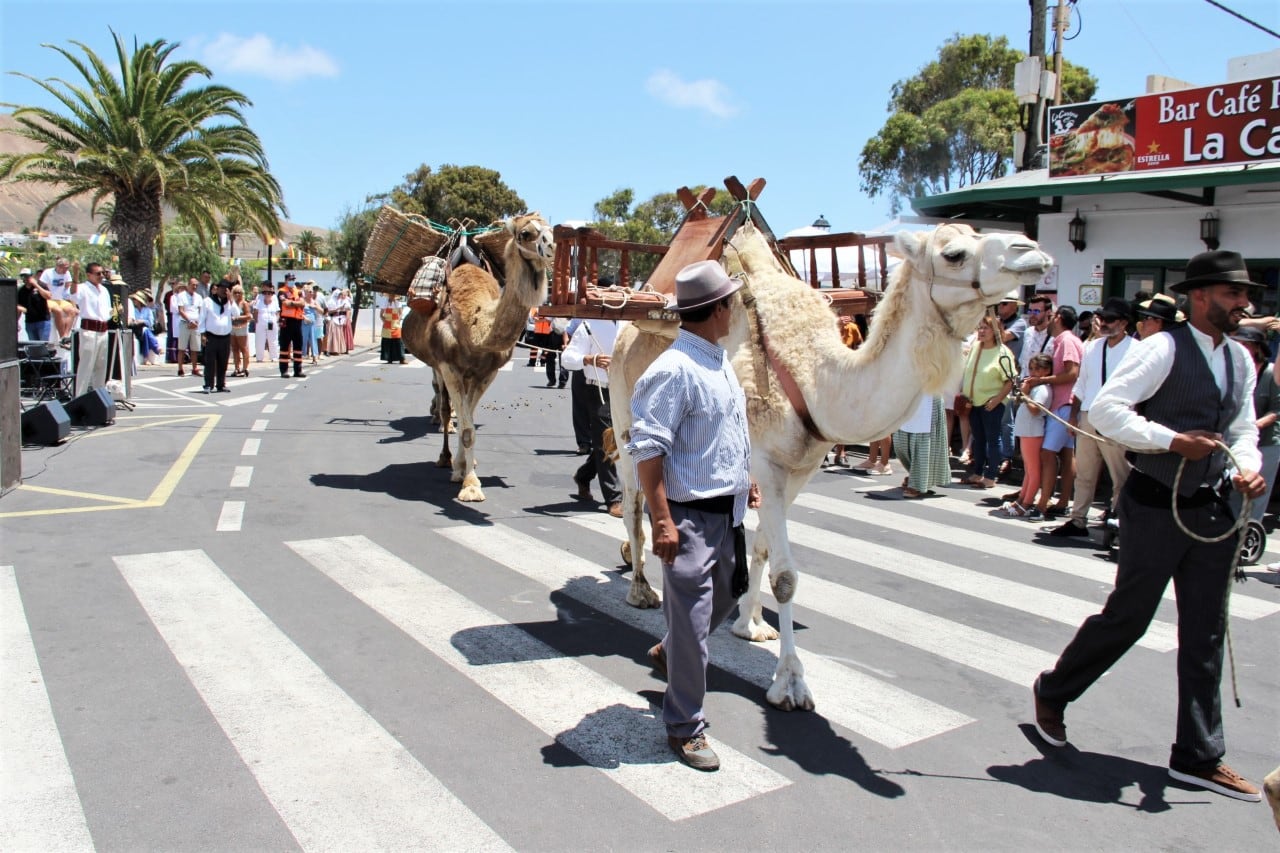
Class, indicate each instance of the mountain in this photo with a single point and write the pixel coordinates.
(21, 203)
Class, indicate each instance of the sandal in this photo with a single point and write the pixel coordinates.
(1013, 509)
(911, 493)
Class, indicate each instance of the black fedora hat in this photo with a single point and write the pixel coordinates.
(1116, 308)
(1217, 267)
(1162, 308)
(1253, 335)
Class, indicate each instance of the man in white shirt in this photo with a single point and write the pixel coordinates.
(1102, 356)
(60, 281)
(216, 316)
(590, 350)
(1036, 338)
(186, 325)
(266, 323)
(1172, 399)
(94, 301)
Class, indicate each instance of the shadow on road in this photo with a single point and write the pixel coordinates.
(417, 481)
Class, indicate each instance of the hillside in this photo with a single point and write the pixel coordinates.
(21, 203)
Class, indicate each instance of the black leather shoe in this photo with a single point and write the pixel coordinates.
(1070, 528)
(1049, 723)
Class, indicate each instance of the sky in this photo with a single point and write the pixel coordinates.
(571, 101)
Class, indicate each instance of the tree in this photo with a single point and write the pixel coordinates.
(654, 221)
(233, 225)
(185, 253)
(310, 244)
(952, 124)
(144, 140)
(347, 243)
(456, 194)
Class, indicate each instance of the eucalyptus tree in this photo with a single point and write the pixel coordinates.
(149, 136)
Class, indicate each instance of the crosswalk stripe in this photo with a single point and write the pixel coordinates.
(1160, 636)
(858, 702)
(39, 807)
(589, 714)
(1243, 606)
(338, 780)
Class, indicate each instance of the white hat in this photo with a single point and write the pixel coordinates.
(24, 272)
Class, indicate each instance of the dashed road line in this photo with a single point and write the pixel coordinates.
(231, 518)
(241, 476)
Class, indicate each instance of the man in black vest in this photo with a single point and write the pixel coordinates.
(1176, 394)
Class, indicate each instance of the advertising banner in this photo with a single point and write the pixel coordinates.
(1209, 126)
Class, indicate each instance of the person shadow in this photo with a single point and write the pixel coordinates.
(1085, 776)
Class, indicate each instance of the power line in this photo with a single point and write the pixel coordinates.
(1251, 23)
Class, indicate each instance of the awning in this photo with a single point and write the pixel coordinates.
(1023, 196)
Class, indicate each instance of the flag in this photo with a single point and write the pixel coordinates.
(222, 240)
(98, 240)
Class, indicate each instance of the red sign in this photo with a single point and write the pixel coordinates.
(1210, 126)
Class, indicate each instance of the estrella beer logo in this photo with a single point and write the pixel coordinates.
(1213, 125)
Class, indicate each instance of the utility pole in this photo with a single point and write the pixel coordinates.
(1061, 16)
(1035, 115)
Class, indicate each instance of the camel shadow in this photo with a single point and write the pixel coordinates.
(410, 428)
(415, 482)
(808, 739)
(1085, 776)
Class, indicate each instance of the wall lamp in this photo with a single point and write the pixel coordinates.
(1209, 231)
(1075, 232)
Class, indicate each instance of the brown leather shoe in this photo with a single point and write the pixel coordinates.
(1049, 723)
(695, 752)
(615, 509)
(658, 659)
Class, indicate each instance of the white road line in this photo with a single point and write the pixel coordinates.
(591, 715)
(860, 703)
(292, 386)
(39, 806)
(1160, 636)
(231, 517)
(1103, 572)
(338, 779)
(269, 409)
(279, 396)
(259, 425)
(234, 400)
(250, 447)
(241, 476)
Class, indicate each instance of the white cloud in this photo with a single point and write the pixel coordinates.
(258, 55)
(710, 96)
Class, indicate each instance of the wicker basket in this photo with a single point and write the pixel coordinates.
(396, 248)
(494, 243)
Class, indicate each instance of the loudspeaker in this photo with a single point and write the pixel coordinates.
(93, 408)
(47, 423)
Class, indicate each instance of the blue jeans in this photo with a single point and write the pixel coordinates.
(984, 424)
(39, 330)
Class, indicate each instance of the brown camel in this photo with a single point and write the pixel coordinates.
(472, 333)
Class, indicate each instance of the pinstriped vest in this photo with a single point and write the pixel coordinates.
(1189, 399)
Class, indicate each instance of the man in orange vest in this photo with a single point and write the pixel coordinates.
(291, 315)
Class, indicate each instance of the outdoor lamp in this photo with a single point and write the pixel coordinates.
(1075, 232)
(821, 222)
(1209, 231)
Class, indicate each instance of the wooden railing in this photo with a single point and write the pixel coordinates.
(831, 242)
(577, 261)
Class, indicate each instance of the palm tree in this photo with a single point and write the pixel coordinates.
(309, 244)
(145, 140)
(234, 223)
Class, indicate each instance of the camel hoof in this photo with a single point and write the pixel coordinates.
(626, 551)
(641, 595)
(784, 585)
(789, 691)
(444, 462)
(755, 630)
(455, 477)
(471, 494)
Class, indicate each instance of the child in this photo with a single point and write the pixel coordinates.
(1028, 428)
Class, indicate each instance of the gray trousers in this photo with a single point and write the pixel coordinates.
(696, 598)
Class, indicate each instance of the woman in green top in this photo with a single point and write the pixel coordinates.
(985, 385)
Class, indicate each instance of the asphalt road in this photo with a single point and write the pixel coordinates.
(260, 620)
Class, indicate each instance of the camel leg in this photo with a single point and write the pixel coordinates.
(1271, 786)
(442, 399)
(750, 624)
(641, 594)
(464, 467)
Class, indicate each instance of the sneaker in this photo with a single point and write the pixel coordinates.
(695, 752)
(1222, 780)
(1069, 528)
(1034, 514)
(1049, 723)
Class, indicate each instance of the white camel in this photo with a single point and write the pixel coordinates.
(946, 281)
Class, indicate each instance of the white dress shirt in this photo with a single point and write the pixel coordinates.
(266, 308)
(1145, 369)
(592, 337)
(94, 301)
(1033, 341)
(186, 308)
(1089, 380)
(216, 319)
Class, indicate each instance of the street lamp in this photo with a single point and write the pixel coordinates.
(1209, 231)
(1075, 232)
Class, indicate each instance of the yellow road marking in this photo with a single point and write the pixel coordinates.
(159, 495)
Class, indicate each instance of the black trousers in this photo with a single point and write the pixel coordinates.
(597, 465)
(290, 345)
(580, 404)
(217, 350)
(1152, 551)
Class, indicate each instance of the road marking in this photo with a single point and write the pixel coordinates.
(39, 806)
(259, 425)
(231, 517)
(279, 396)
(250, 447)
(241, 476)
(292, 386)
(1061, 560)
(1160, 636)
(338, 779)
(860, 703)
(269, 409)
(596, 718)
(234, 400)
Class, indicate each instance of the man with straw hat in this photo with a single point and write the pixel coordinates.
(1172, 399)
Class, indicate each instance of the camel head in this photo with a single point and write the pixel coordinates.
(964, 266)
(533, 239)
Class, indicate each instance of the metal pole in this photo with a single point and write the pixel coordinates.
(1035, 115)
(1060, 18)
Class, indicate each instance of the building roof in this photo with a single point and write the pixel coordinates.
(1023, 195)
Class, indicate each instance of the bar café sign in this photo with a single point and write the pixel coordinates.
(1211, 126)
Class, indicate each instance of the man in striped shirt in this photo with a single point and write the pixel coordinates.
(692, 451)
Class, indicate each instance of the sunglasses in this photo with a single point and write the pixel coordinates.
(1035, 312)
